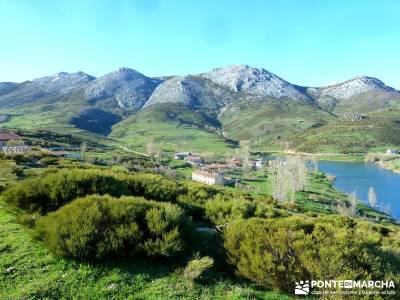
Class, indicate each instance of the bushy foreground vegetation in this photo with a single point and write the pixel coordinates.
(29, 271)
(46, 194)
(97, 214)
(276, 253)
(103, 226)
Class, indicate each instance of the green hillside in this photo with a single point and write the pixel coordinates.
(368, 102)
(173, 127)
(55, 113)
(377, 131)
(272, 122)
(267, 123)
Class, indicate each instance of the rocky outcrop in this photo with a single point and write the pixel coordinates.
(192, 91)
(350, 88)
(50, 87)
(129, 88)
(255, 81)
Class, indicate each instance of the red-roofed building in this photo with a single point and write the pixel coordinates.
(194, 160)
(6, 137)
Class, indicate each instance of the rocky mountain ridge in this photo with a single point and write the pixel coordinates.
(218, 88)
(129, 88)
(255, 81)
(349, 88)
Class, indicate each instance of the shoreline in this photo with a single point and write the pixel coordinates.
(385, 161)
(386, 166)
(359, 157)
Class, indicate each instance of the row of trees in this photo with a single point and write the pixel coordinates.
(289, 176)
(292, 174)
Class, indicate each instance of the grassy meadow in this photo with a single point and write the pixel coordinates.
(188, 132)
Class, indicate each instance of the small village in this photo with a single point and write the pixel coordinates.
(197, 168)
(215, 173)
(201, 169)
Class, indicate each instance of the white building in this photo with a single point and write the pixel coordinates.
(391, 151)
(181, 155)
(257, 164)
(208, 177)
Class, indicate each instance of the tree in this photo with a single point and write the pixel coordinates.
(350, 209)
(353, 204)
(83, 150)
(245, 154)
(151, 148)
(289, 176)
(314, 163)
(277, 171)
(372, 199)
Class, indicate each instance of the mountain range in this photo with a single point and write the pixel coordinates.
(236, 103)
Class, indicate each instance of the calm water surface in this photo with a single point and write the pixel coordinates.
(359, 177)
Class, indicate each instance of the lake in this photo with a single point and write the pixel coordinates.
(359, 177)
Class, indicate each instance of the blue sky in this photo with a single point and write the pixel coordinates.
(307, 42)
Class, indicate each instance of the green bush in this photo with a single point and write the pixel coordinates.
(48, 193)
(276, 253)
(220, 210)
(49, 160)
(197, 267)
(194, 196)
(17, 171)
(54, 190)
(102, 226)
(151, 186)
(58, 187)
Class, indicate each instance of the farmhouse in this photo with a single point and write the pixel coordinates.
(9, 143)
(181, 155)
(391, 152)
(208, 177)
(257, 164)
(194, 160)
(7, 137)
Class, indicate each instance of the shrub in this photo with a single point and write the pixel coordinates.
(17, 171)
(102, 226)
(54, 190)
(197, 267)
(151, 186)
(194, 196)
(49, 160)
(58, 187)
(277, 252)
(27, 219)
(220, 210)
(48, 193)
(21, 159)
